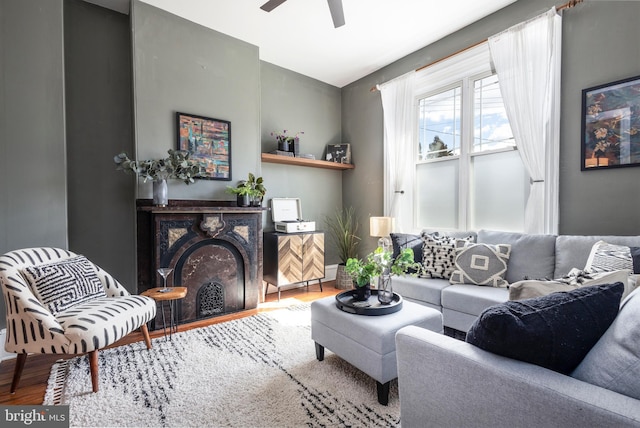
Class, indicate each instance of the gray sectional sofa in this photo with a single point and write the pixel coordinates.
(532, 257)
(447, 382)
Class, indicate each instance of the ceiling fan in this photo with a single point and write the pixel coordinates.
(335, 7)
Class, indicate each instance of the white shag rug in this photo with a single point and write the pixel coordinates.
(259, 371)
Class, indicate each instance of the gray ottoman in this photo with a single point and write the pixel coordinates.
(367, 342)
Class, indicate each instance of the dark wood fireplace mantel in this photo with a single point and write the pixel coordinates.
(214, 249)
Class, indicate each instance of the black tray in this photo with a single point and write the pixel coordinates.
(345, 302)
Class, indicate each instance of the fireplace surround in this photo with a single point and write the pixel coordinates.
(214, 249)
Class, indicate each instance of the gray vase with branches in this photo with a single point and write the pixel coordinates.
(343, 227)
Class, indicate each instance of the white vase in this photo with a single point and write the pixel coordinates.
(160, 192)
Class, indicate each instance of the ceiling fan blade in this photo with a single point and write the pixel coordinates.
(337, 13)
(271, 4)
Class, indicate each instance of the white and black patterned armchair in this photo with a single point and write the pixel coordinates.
(58, 302)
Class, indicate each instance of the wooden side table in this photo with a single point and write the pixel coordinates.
(174, 293)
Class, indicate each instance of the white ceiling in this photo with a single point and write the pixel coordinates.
(299, 35)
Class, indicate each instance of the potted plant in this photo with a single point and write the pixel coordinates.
(342, 228)
(286, 143)
(249, 192)
(379, 264)
(178, 165)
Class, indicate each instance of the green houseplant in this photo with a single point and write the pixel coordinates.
(343, 227)
(249, 192)
(379, 264)
(285, 142)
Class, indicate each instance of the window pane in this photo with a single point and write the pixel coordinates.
(491, 126)
(439, 122)
(437, 190)
(499, 192)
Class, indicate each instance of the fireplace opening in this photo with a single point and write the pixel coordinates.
(210, 300)
(213, 271)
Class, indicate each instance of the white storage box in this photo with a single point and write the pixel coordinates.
(286, 214)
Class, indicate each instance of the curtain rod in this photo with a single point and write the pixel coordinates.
(567, 5)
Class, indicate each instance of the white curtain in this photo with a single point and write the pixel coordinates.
(399, 162)
(527, 61)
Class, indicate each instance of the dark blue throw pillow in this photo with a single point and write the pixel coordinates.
(400, 241)
(555, 331)
(635, 257)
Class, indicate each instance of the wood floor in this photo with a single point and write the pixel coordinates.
(35, 375)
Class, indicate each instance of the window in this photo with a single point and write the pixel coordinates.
(491, 128)
(468, 174)
(439, 125)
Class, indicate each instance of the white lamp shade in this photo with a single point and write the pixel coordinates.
(380, 226)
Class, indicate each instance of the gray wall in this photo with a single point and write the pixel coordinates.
(295, 102)
(33, 211)
(33, 207)
(600, 44)
(182, 66)
(99, 125)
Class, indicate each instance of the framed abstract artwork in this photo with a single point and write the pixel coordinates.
(208, 141)
(611, 125)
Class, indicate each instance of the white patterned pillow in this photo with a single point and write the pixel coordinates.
(439, 255)
(605, 257)
(481, 264)
(65, 283)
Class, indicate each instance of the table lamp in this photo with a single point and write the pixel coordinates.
(382, 228)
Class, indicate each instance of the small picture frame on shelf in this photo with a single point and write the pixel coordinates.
(339, 153)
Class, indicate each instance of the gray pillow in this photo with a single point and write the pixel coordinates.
(480, 264)
(614, 361)
(532, 256)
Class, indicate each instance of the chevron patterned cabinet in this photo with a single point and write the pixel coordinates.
(291, 258)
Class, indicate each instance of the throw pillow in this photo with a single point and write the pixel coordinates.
(480, 264)
(635, 258)
(554, 331)
(439, 255)
(65, 283)
(529, 289)
(605, 257)
(613, 363)
(400, 241)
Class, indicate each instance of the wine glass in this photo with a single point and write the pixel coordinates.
(164, 272)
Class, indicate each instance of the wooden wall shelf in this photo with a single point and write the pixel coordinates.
(288, 160)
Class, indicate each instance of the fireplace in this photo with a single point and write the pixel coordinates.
(214, 250)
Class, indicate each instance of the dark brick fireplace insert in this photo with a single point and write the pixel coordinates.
(215, 250)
